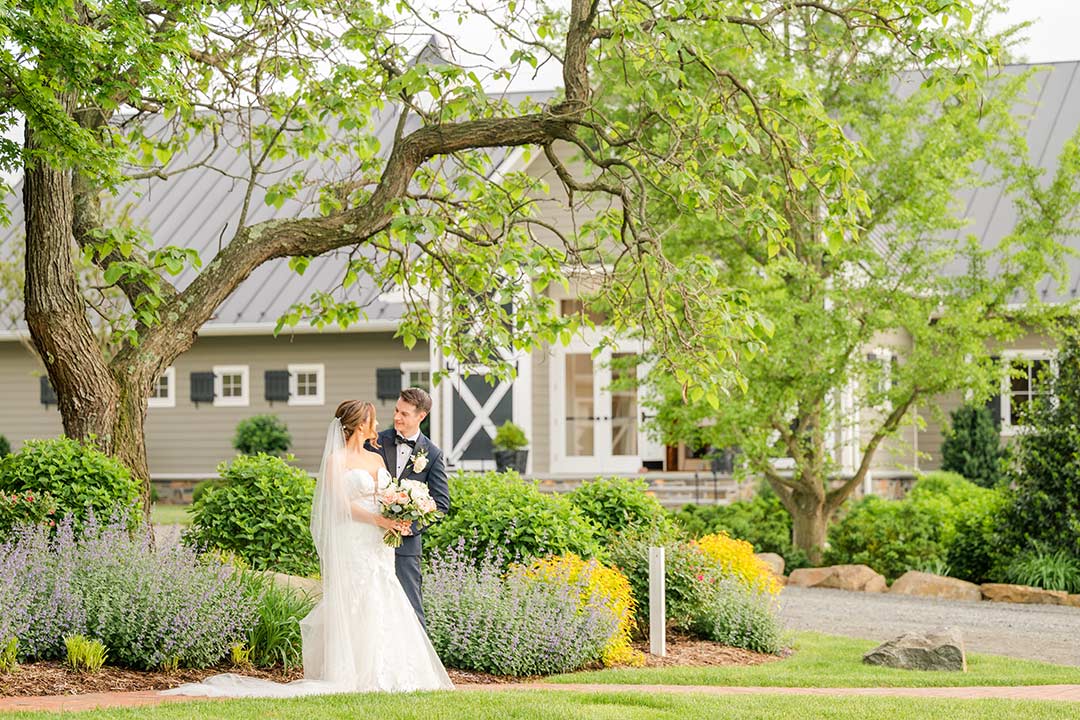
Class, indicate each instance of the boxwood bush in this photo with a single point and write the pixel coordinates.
(79, 478)
(502, 514)
(262, 434)
(261, 512)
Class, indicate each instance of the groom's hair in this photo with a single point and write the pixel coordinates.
(418, 398)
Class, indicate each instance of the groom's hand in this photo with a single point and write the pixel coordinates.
(404, 527)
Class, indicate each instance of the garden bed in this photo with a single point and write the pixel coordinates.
(55, 678)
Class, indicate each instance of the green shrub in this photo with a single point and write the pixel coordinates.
(921, 531)
(617, 504)
(499, 513)
(763, 522)
(1043, 568)
(25, 508)
(1044, 507)
(972, 447)
(701, 598)
(5, 446)
(79, 477)
(261, 512)
(977, 552)
(275, 639)
(262, 434)
(509, 436)
(891, 536)
(202, 486)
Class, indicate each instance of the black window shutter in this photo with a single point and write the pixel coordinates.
(387, 383)
(994, 406)
(994, 403)
(48, 395)
(277, 385)
(202, 387)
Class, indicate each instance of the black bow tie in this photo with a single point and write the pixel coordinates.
(402, 440)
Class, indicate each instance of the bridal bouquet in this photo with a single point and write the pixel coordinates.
(406, 500)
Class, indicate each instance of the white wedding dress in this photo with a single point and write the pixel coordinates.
(363, 636)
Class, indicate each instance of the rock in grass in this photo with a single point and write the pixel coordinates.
(940, 649)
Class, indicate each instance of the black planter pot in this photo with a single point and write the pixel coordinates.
(511, 460)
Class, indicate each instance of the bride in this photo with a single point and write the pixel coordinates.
(363, 635)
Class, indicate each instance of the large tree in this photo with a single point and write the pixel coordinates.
(867, 332)
(112, 90)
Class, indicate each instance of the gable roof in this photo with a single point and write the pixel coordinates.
(1050, 111)
(200, 208)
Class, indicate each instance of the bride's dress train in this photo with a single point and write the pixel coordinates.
(363, 636)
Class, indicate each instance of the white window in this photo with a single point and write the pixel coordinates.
(163, 394)
(416, 374)
(307, 384)
(882, 370)
(1026, 375)
(231, 386)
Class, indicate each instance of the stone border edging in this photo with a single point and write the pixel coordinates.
(861, 578)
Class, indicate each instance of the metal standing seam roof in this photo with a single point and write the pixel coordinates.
(200, 208)
(1050, 111)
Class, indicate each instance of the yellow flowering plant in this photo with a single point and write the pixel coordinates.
(603, 587)
(736, 557)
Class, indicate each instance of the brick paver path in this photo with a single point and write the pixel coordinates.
(1071, 693)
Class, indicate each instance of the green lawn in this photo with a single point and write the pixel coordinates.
(556, 705)
(831, 661)
(170, 514)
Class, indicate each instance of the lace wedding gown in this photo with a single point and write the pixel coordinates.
(363, 636)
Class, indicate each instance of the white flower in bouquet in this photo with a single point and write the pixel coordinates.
(406, 501)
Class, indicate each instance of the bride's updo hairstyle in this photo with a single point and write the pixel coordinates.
(357, 416)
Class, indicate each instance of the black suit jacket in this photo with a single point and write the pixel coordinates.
(433, 475)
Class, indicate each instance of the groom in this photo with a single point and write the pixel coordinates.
(410, 455)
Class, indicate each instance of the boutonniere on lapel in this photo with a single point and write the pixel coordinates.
(419, 460)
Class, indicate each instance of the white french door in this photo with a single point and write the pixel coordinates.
(595, 429)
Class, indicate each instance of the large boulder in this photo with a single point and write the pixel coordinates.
(774, 561)
(308, 586)
(808, 577)
(924, 584)
(1003, 592)
(940, 649)
(859, 578)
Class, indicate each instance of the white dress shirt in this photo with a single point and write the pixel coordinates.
(404, 452)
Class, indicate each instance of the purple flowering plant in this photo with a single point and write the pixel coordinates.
(150, 608)
(509, 624)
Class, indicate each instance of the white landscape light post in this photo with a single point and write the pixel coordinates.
(657, 611)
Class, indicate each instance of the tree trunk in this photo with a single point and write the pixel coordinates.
(93, 404)
(809, 522)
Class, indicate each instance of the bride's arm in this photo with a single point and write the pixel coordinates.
(362, 514)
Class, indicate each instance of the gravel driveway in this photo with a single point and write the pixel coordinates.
(1036, 632)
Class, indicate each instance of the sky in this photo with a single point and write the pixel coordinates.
(1053, 35)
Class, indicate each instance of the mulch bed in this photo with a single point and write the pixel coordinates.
(683, 650)
(54, 678)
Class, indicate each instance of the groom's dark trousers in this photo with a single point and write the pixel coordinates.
(407, 560)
